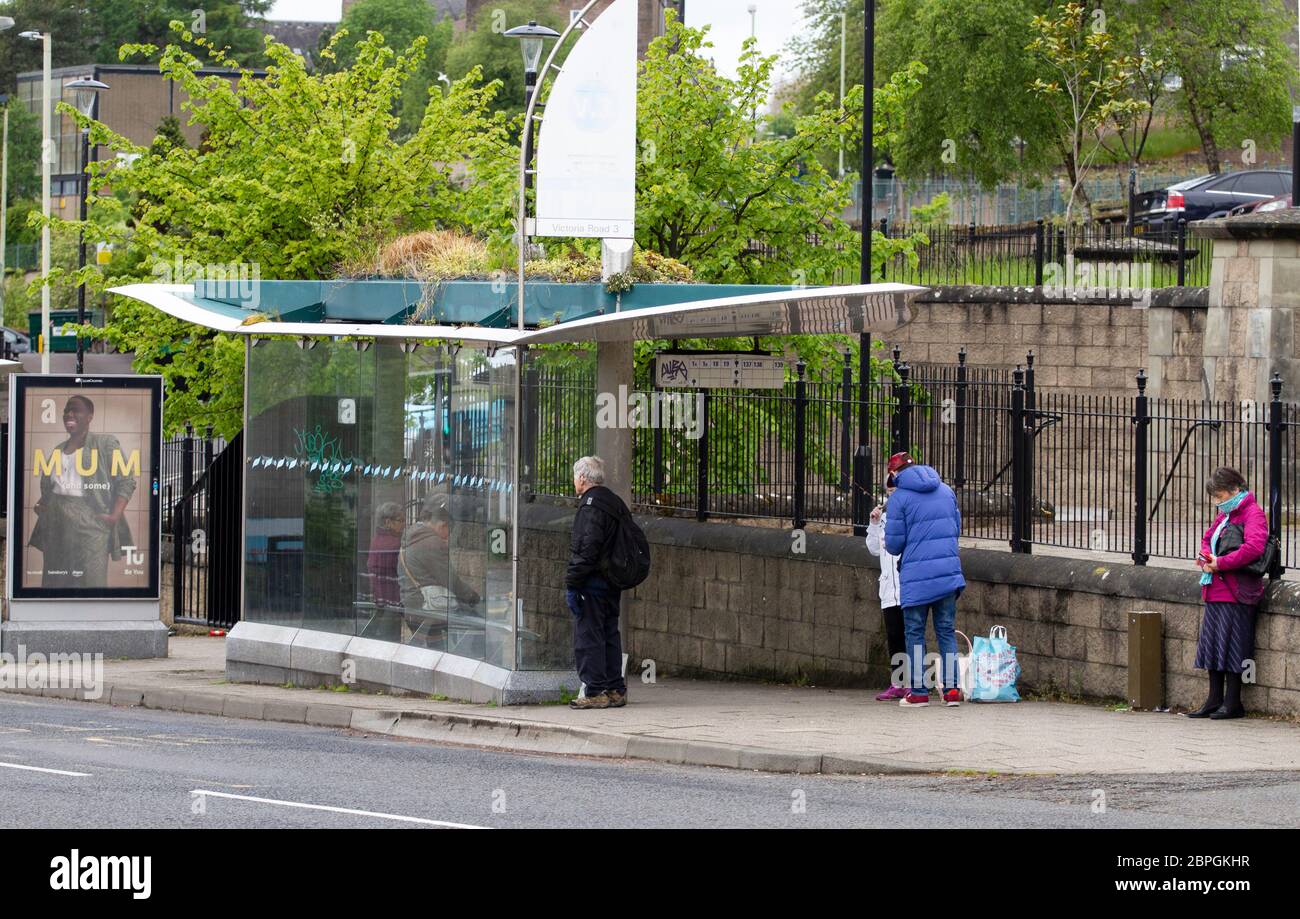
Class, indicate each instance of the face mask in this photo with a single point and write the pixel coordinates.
(1231, 504)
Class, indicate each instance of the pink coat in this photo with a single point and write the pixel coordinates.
(1226, 586)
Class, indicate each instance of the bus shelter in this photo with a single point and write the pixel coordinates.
(382, 453)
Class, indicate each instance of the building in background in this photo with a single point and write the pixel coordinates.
(138, 99)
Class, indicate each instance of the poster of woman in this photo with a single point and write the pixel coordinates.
(85, 463)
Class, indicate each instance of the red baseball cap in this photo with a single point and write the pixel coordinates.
(900, 461)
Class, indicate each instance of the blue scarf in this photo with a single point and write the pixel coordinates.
(1227, 507)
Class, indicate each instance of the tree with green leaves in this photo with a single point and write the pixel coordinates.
(1085, 85)
(483, 47)
(24, 153)
(401, 22)
(972, 119)
(711, 183)
(1144, 41)
(300, 172)
(1236, 69)
(93, 33)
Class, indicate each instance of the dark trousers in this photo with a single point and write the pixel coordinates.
(896, 644)
(597, 645)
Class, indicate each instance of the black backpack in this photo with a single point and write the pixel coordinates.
(627, 561)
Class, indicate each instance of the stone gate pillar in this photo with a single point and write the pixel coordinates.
(1250, 327)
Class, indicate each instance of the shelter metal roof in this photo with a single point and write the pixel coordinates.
(846, 309)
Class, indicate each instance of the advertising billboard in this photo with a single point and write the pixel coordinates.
(84, 461)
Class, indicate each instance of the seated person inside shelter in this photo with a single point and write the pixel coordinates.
(381, 562)
(424, 572)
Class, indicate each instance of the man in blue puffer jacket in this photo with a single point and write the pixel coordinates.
(922, 528)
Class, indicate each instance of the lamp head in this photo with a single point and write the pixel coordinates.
(85, 91)
(531, 38)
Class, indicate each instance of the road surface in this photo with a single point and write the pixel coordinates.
(80, 765)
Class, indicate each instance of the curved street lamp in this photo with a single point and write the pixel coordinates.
(532, 39)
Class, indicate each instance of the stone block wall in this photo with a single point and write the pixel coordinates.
(731, 601)
(1079, 344)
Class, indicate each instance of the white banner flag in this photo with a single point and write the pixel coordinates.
(586, 148)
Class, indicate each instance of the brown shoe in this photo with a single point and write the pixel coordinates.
(616, 699)
(597, 701)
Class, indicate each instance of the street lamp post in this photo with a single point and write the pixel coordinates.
(532, 38)
(6, 22)
(47, 155)
(1295, 155)
(861, 461)
(844, 29)
(86, 90)
(4, 197)
(868, 116)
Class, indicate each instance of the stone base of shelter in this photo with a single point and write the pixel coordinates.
(128, 639)
(262, 653)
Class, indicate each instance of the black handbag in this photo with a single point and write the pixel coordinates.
(1231, 539)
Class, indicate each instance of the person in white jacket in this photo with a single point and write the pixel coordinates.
(890, 606)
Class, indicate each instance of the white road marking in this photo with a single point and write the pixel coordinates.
(337, 810)
(39, 769)
(115, 742)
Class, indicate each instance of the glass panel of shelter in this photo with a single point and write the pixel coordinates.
(378, 499)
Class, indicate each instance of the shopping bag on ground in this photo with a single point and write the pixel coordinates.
(993, 660)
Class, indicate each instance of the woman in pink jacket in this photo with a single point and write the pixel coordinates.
(1231, 595)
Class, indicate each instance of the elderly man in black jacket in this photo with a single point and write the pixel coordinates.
(594, 602)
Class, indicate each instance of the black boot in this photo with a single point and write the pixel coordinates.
(1232, 707)
(1214, 701)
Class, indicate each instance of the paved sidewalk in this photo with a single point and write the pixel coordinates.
(740, 725)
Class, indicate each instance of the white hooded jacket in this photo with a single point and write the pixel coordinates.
(889, 589)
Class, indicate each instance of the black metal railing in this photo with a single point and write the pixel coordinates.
(1100, 257)
(1088, 256)
(201, 487)
(1031, 467)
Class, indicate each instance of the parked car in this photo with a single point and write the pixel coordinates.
(18, 342)
(1281, 202)
(1157, 212)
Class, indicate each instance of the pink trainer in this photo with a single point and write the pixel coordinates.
(892, 694)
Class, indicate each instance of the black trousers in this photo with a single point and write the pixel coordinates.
(895, 638)
(597, 644)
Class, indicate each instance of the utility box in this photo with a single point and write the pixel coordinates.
(1146, 660)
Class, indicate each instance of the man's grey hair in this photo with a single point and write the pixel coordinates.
(591, 468)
